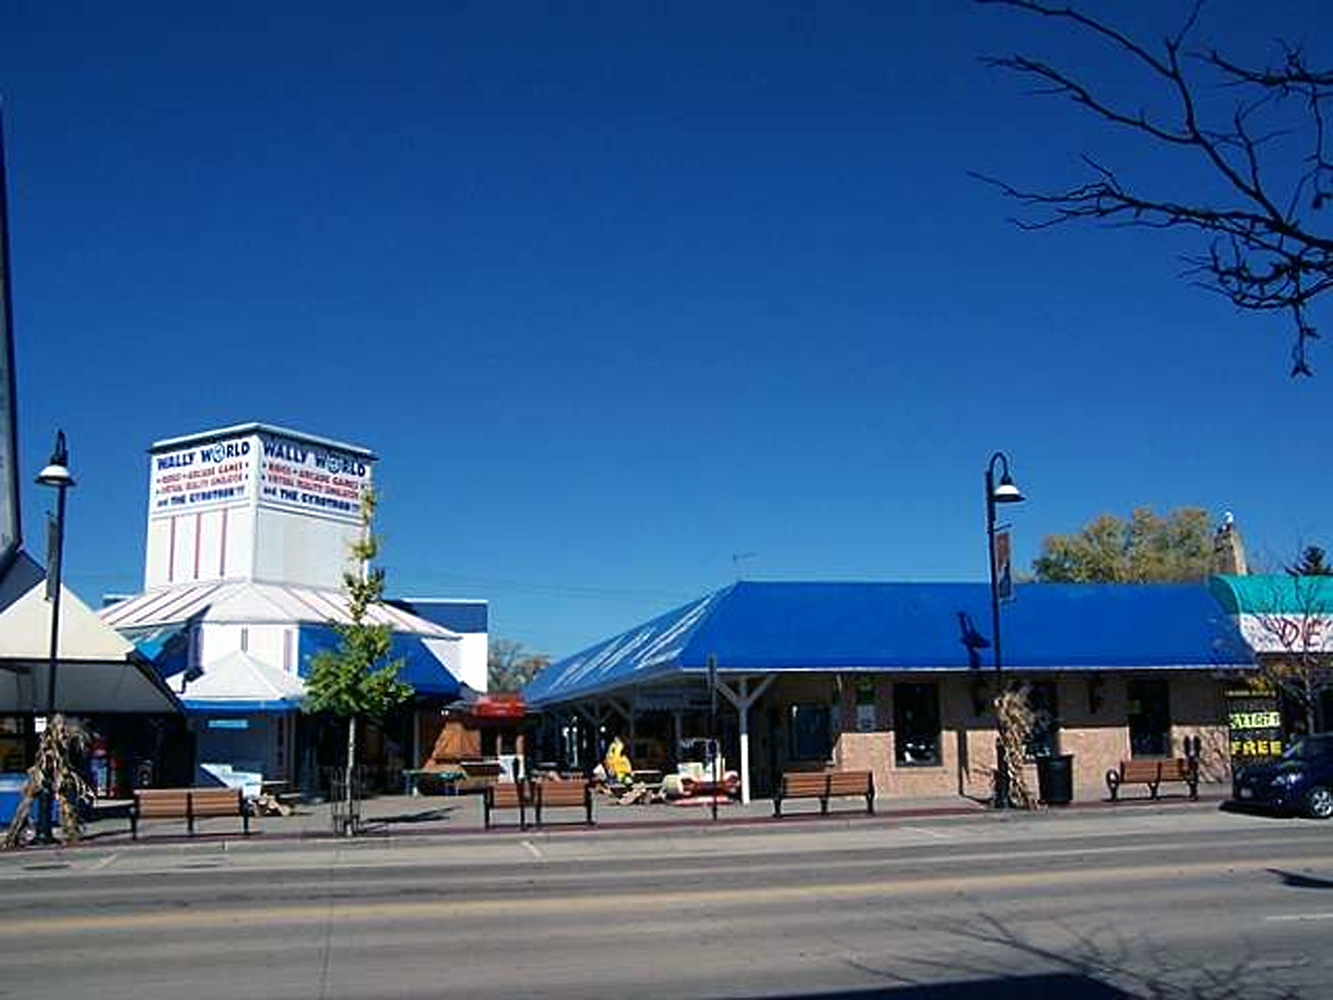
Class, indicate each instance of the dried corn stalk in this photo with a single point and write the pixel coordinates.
(55, 770)
(1016, 720)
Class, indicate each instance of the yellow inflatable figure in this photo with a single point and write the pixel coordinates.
(617, 765)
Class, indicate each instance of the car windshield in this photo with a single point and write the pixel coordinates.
(1309, 747)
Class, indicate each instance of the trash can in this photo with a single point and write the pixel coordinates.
(1055, 779)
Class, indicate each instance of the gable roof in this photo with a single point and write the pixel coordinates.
(97, 669)
(793, 627)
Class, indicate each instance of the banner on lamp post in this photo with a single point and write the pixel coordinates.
(1004, 577)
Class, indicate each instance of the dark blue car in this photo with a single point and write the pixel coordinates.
(1301, 781)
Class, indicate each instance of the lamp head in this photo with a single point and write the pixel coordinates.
(57, 472)
(1006, 492)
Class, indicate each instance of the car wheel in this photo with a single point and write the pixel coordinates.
(1319, 802)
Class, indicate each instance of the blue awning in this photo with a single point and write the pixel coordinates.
(166, 647)
(849, 627)
(424, 666)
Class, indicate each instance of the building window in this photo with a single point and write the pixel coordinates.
(808, 732)
(1149, 713)
(916, 725)
(1044, 740)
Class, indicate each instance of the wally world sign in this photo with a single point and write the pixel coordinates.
(311, 478)
(220, 472)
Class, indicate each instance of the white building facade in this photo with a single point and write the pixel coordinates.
(249, 534)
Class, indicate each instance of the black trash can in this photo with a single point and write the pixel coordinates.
(1055, 779)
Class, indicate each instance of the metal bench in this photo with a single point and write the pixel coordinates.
(826, 786)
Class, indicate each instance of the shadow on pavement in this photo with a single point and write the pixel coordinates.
(1039, 987)
(439, 815)
(1298, 881)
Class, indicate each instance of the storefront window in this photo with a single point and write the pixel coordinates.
(12, 730)
(916, 725)
(809, 732)
(1043, 741)
(1149, 718)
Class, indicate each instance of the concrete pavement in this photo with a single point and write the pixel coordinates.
(414, 816)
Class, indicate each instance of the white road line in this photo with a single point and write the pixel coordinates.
(533, 848)
(103, 863)
(1282, 917)
(927, 831)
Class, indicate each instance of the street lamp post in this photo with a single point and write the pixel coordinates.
(56, 475)
(997, 493)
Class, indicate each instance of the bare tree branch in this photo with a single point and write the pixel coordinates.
(1263, 252)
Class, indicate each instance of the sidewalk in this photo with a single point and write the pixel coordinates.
(395, 816)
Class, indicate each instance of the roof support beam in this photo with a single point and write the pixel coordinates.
(742, 697)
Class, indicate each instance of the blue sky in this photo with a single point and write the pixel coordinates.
(619, 292)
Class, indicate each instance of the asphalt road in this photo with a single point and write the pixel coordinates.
(1173, 902)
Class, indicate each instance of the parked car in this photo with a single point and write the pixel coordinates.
(1300, 781)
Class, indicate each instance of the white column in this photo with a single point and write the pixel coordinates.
(742, 699)
(743, 715)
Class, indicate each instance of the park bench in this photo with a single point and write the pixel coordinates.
(824, 787)
(1153, 772)
(188, 804)
(558, 794)
(515, 795)
(537, 796)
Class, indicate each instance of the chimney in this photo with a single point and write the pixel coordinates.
(1229, 549)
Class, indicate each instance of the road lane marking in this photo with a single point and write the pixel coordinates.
(1280, 917)
(351, 910)
(927, 831)
(99, 865)
(533, 849)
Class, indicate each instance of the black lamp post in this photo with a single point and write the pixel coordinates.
(996, 493)
(56, 475)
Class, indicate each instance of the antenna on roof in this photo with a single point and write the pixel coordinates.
(737, 558)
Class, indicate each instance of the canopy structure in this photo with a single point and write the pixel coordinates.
(240, 683)
(98, 671)
(780, 627)
(166, 625)
(1280, 613)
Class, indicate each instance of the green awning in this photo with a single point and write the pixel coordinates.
(1274, 594)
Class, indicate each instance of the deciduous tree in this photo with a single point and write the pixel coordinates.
(1252, 172)
(359, 679)
(509, 666)
(1147, 548)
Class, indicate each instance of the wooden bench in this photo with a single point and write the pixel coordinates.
(188, 804)
(824, 787)
(507, 796)
(1153, 772)
(537, 796)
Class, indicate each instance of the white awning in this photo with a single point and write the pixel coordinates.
(240, 683)
(98, 670)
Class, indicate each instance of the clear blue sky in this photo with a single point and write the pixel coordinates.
(620, 291)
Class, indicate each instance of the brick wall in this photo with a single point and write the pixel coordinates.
(1093, 728)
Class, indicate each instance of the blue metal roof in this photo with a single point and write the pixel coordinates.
(421, 668)
(167, 647)
(770, 626)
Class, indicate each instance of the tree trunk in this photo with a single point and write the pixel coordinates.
(351, 773)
